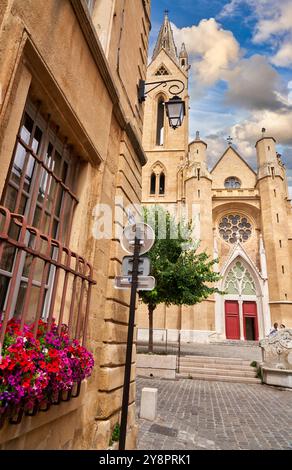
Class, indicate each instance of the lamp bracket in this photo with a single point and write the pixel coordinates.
(175, 89)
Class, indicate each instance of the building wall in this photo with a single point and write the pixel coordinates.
(50, 51)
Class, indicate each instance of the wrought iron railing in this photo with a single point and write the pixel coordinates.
(62, 279)
(66, 278)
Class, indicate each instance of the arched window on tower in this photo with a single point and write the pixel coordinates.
(160, 122)
(162, 183)
(153, 184)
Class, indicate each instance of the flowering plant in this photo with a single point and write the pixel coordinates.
(33, 370)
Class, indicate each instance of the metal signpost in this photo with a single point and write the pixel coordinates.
(137, 238)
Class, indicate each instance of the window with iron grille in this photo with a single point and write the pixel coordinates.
(40, 190)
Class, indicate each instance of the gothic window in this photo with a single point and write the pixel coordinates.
(153, 184)
(161, 183)
(41, 187)
(239, 281)
(160, 122)
(235, 226)
(162, 71)
(232, 183)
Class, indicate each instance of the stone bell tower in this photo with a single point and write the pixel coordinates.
(165, 147)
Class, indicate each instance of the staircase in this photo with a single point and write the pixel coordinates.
(218, 368)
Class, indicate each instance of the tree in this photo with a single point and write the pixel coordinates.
(183, 276)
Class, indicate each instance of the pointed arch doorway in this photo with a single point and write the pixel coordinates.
(240, 303)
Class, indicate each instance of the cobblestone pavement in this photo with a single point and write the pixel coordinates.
(197, 414)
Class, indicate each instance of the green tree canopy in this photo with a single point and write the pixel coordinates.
(183, 275)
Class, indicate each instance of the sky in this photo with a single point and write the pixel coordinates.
(240, 53)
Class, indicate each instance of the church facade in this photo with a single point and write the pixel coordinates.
(241, 216)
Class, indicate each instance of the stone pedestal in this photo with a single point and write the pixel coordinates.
(149, 403)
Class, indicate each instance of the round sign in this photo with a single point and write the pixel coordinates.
(142, 231)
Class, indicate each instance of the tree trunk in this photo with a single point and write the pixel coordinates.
(150, 313)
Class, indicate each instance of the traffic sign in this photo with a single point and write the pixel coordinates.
(141, 231)
(125, 282)
(143, 268)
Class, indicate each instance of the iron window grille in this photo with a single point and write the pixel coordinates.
(40, 277)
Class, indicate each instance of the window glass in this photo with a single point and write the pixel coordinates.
(234, 226)
(232, 183)
(239, 281)
(153, 184)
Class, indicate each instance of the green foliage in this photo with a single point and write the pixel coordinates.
(254, 364)
(183, 276)
(260, 373)
(115, 437)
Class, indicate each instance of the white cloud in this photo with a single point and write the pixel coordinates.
(273, 25)
(212, 50)
(277, 124)
(274, 18)
(255, 84)
(283, 58)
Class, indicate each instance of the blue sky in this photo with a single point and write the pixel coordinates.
(241, 57)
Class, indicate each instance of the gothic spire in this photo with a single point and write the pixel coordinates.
(165, 39)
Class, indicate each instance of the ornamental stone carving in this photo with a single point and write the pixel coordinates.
(276, 349)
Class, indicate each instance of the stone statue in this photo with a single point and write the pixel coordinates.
(276, 349)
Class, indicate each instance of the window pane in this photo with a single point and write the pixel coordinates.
(4, 282)
(38, 268)
(33, 302)
(6, 261)
(26, 129)
(152, 183)
(37, 140)
(162, 184)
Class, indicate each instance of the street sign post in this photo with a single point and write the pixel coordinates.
(125, 282)
(146, 234)
(136, 239)
(143, 267)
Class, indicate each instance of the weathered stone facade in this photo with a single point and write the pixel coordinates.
(83, 68)
(241, 216)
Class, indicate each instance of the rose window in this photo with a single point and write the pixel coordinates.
(233, 227)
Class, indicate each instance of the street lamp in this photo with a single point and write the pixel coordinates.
(175, 111)
(175, 107)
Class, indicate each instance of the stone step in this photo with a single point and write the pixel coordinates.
(219, 378)
(215, 360)
(218, 372)
(213, 365)
(247, 344)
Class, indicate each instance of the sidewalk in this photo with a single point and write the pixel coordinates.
(197, 414)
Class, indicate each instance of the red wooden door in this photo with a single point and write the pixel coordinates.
(232, 319)
(250, 321)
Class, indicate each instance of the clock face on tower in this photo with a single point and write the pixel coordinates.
(234, 226)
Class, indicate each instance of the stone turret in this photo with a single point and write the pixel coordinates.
(197, 160)
(184, 58)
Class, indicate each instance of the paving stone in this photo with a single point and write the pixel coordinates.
(197, 414)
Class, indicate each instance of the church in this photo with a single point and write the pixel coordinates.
(242, 217)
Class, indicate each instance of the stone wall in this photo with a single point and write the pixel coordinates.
(50, 52)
